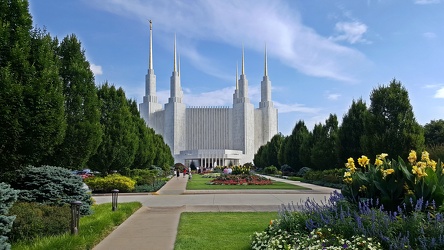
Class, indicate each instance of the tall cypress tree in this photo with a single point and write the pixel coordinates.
(390, 125)
(84, 132)
(351, 131)
(31, 114)
(119, 140)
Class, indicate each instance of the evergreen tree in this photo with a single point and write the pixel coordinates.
(15, 40)
(282, 154)
(119, 140)
(273, 148)
(306, 148)
(294, 145)
(351, 131)
(390, 125)
(145, 150)
(324, 154)
(434, 132)
(84, 132)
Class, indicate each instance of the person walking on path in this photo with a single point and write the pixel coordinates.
(177, 173)
(184, 172)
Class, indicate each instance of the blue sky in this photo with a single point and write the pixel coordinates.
(321, 54)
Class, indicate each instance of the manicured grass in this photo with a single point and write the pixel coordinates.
(199, 183)
(227, 230)
(92, 229)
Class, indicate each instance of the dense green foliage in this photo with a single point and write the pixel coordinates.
(32, 120)
(434, 132)
(84, 131)
(390, 125)
(324, 152)
(52, 186)
(7, 198)
(351, 131)
(34, 220)
(92, 229)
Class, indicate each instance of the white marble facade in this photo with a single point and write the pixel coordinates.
(210, 136)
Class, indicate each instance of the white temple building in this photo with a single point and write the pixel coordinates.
(210, 136)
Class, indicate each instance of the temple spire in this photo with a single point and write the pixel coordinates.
(237, 83)
(179, 66)
(266, 63)
(150, 66)
(243, 68)
(174, 53)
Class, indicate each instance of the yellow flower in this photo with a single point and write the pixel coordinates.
(362, 188)
(363, 161)
(425, 156)
(432, 164)
(387, 172)
(418, 171)
(350, 165)
(412, 156)
(378, 162)
(382, 156)
(348, 180)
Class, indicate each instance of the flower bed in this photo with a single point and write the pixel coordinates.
(240, 179)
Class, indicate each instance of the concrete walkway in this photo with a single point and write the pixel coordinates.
(154, 226)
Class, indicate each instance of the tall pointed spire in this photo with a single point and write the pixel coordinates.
(237, 82)
(266, 63)
(174, 53)
(243, 68)
(178, 73)
(150, 66)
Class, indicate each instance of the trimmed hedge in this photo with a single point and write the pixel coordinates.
(7, 198)
(110, 182)
(52, 186)
(35, 220)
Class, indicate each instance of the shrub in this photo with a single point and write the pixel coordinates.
(271, 170)
(52, 186)
(287, 170)
(143, 176)
(436, 151)
(240, 170)
(303, 171)
(149, 188)
(110, 182)
(38, 220)
(7, 198)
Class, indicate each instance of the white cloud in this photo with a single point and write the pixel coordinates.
(235, 22)
(439, 93)
(351, 32)
(287, 108)
(96, 69)
(333, 97)
(426, 1)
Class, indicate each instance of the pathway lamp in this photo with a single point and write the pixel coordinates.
(75, 216)
(114, 196)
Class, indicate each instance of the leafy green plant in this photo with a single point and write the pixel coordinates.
(34, 220)
(395, 182)
(271, 170)
(110, 182)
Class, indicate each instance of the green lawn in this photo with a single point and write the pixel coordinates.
(199, 183)
(227, 230)
(92, 229)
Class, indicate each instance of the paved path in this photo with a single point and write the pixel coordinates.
(154, 226)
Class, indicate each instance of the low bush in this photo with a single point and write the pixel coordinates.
(271, 170)
(52, 186)
(287, 170)
(110, 182)
(34, 220)
(325, 176)
(149, 188)
(303, 171)
(7, 198)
